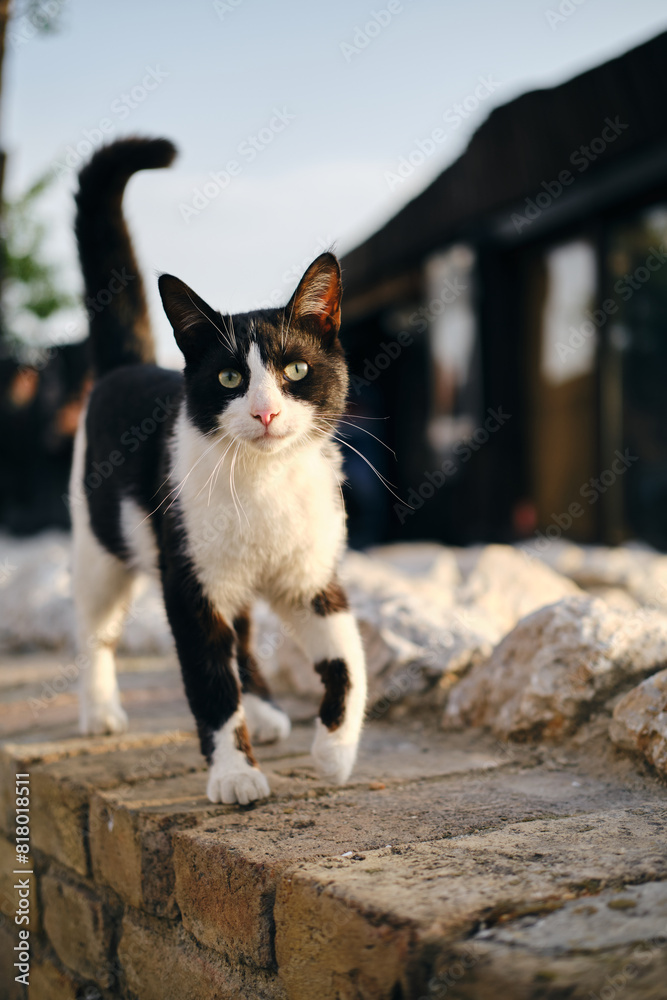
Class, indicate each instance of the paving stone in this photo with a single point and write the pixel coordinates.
(80, 925)
(63, 790)
(160, 960)
(130, 839)
(362, 920)
(131, 827)
(29, 756)
(414, 788)
(611, 943)
(227, 869)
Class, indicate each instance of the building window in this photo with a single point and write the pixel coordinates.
(452, 325)
(562, 386)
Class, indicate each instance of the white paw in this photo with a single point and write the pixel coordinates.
(333, 755)
(97, 718)
(242, 786)
(266, 723)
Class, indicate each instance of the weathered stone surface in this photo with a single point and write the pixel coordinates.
(227, 868)
(556, 666)
(361, 920)
(64, 788)
(79, 924)
(606, 945)
(160, 961)
(226, 895)
(611, 919)
(130, 839)
(131, 828)
(639, 722)
(48, 982)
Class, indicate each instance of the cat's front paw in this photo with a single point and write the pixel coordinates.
(242, 786)
(334, 756)
(100, 718)
(266, 723)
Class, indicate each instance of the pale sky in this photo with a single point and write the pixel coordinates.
(316, 103)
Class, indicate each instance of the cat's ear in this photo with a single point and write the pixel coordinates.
(194, 321)
(318, 296)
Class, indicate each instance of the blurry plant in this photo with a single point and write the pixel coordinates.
(30, 18)
(31, 289)
(23, 270)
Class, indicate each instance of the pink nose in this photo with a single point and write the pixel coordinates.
(265, 416)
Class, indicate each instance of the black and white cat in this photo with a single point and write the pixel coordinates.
(223, 481)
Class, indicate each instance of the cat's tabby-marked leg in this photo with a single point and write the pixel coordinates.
(206, 649)
(266, 722)
(328, 633)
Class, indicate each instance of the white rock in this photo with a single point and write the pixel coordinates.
(639, 722)
(637, 569)
(36, 609)
(555, 666)
(505, 585)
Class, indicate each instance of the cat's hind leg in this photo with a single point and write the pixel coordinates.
(266, 722)
(102, 589)
(328, 633)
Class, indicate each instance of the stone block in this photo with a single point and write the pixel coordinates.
(48, 982)
(80, 926)
(160, 960)
(381, 920)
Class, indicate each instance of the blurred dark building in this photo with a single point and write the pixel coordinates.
(40, 405)
(511, 321)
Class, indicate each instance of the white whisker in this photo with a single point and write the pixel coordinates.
(363, 429)
(385, 482)
(179, 486)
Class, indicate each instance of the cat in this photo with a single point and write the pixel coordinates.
(223, 481)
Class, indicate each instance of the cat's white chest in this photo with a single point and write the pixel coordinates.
(273, 528)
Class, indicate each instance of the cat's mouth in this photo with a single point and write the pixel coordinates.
(269, 438)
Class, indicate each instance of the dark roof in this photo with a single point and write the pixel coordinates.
(520, 145)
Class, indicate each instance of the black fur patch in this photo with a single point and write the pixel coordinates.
(204, 640)
(130, 415)
(330, 600)
(251, 677)
(334, 674)
(115, 301)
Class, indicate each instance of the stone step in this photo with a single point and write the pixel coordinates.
(451, 866)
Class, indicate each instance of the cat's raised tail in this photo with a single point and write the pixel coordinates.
(119, 325)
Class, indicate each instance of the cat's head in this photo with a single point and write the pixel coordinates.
(270, 378)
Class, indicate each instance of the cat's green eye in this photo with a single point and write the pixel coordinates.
(296, 371)
(230, 378)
